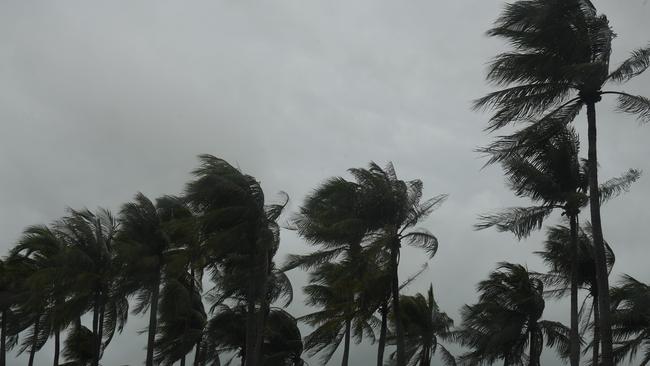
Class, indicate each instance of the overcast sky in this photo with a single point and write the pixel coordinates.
(100, 100)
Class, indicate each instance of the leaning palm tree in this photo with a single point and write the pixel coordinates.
(558, 255)
(241, 237)
(13, 293)
(148, 257)
(560, 64)
(393, 208)
(505, 322)
(330, 218)
(552, 176)
(631, 320)
(424, 326)
(333, 293)
(181, 320)
(93, 270)
(48, 284)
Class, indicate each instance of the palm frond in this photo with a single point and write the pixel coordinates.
(520, 221)
(616, 186)
(635, 65)
(634, 104)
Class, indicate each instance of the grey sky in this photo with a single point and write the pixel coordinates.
(100, 100)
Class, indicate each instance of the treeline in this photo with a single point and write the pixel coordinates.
(154, 256)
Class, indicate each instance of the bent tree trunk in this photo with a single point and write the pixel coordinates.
(57, 345)
(596, 346)
(575, 332)
(399, 332)
(32, 351)
(599, 243)
(535, 350)
(3, 339)
(153, 314)
(346, 345)
(382, 333)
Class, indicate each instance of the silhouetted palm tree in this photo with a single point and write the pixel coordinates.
(330, 290)
(559, 65)
(393, 207)
(558, 255)
(94, 272)
(282, 343)
(181, 320)
(551, 176)
(148, 256)
(48, 284)
(505, 322)
(424, 327)
(331, 219)
(241, 236)
(631, 320)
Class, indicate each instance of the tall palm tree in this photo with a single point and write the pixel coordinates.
(331, 219)
(13, 292)
(558, 255)
(506, 320)
(48, 284)
(552, 176)
(394, 207)
(241, 236)
(93, 270)
(181, 320)
(148, 256)
(560, 64)
(631, 320)
(331, 290)
(424, 326)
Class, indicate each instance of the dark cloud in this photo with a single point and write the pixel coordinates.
(100, 100)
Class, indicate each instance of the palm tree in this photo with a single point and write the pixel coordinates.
(225, 335)
(331, 290)
(559, 65)
(558, 255)
(424, 326)
(181, 321)
(283, 344)
(93, 270)
(241, 236)
(330, 218)
(631, 320)
(506, 320)
(393, 207)
(148, 256)
(552, 176)
(48, 284)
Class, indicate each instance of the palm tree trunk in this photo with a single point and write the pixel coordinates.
(399, 332)
(183, 360)
(574, 336)
(153, 314)
(57, 345)
(96, 310)
(249, 353)
(100, 330)
(346, 344)
(534, 352)
(197, 354)
(3, 339)
(596, 341)
(382, 333)
(32, 351)
(599, 243)
(264, 307)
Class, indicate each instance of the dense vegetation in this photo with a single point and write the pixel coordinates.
(78, 279)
